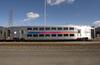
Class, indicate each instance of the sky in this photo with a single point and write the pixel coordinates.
(59, 12)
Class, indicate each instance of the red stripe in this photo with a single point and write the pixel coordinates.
(57, 32)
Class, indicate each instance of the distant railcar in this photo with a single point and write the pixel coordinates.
(63, 32)
(97, 29)
(2, 33)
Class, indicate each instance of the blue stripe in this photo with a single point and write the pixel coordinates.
(33, 32)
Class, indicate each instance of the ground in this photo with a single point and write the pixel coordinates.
(64, 54)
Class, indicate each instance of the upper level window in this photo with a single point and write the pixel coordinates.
(35, 28)
(29, 28)
(71, 28)
(41, 28)
(47, 28)
(59, 28)
(53, 28)
(65, 28)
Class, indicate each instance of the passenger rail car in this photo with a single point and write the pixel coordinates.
(67, 32)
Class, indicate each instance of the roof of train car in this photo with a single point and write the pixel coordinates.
(55, 26)
(98, 29)
(1, 26)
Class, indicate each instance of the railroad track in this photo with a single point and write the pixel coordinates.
(49, 43)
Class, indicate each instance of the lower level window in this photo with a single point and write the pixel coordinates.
(41, 35)
(59, 35)
(29, 35)
(47, 35)
(35, 35)
(53, 35)
(65, 35)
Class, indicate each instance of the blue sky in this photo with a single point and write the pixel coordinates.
(31, 12)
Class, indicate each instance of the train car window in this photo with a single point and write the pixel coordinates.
(22, 32)
(47, 28)
(35, 35)
(59, 35)
(53, 28)
(29, 28)
(65, 35)
(59, 28)
(47, 35)
(79, 31)
(0, 31)
(71, 35)
(41, 35)
(35, 28)
(29, 35)
(65, 28)
(71, 28)
(8, 33)
(41, 28)
(53, 35)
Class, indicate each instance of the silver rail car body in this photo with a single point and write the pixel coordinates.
(67, 32)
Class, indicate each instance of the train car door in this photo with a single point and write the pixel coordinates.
(8, 34)
(92, 33)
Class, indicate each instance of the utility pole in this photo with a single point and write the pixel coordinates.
(45, 12)
(10, 22)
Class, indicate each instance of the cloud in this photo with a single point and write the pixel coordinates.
(31, 16)
(57, 2)
(70, 1)
(97, 23)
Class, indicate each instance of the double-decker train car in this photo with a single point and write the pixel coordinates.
(63, 32)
